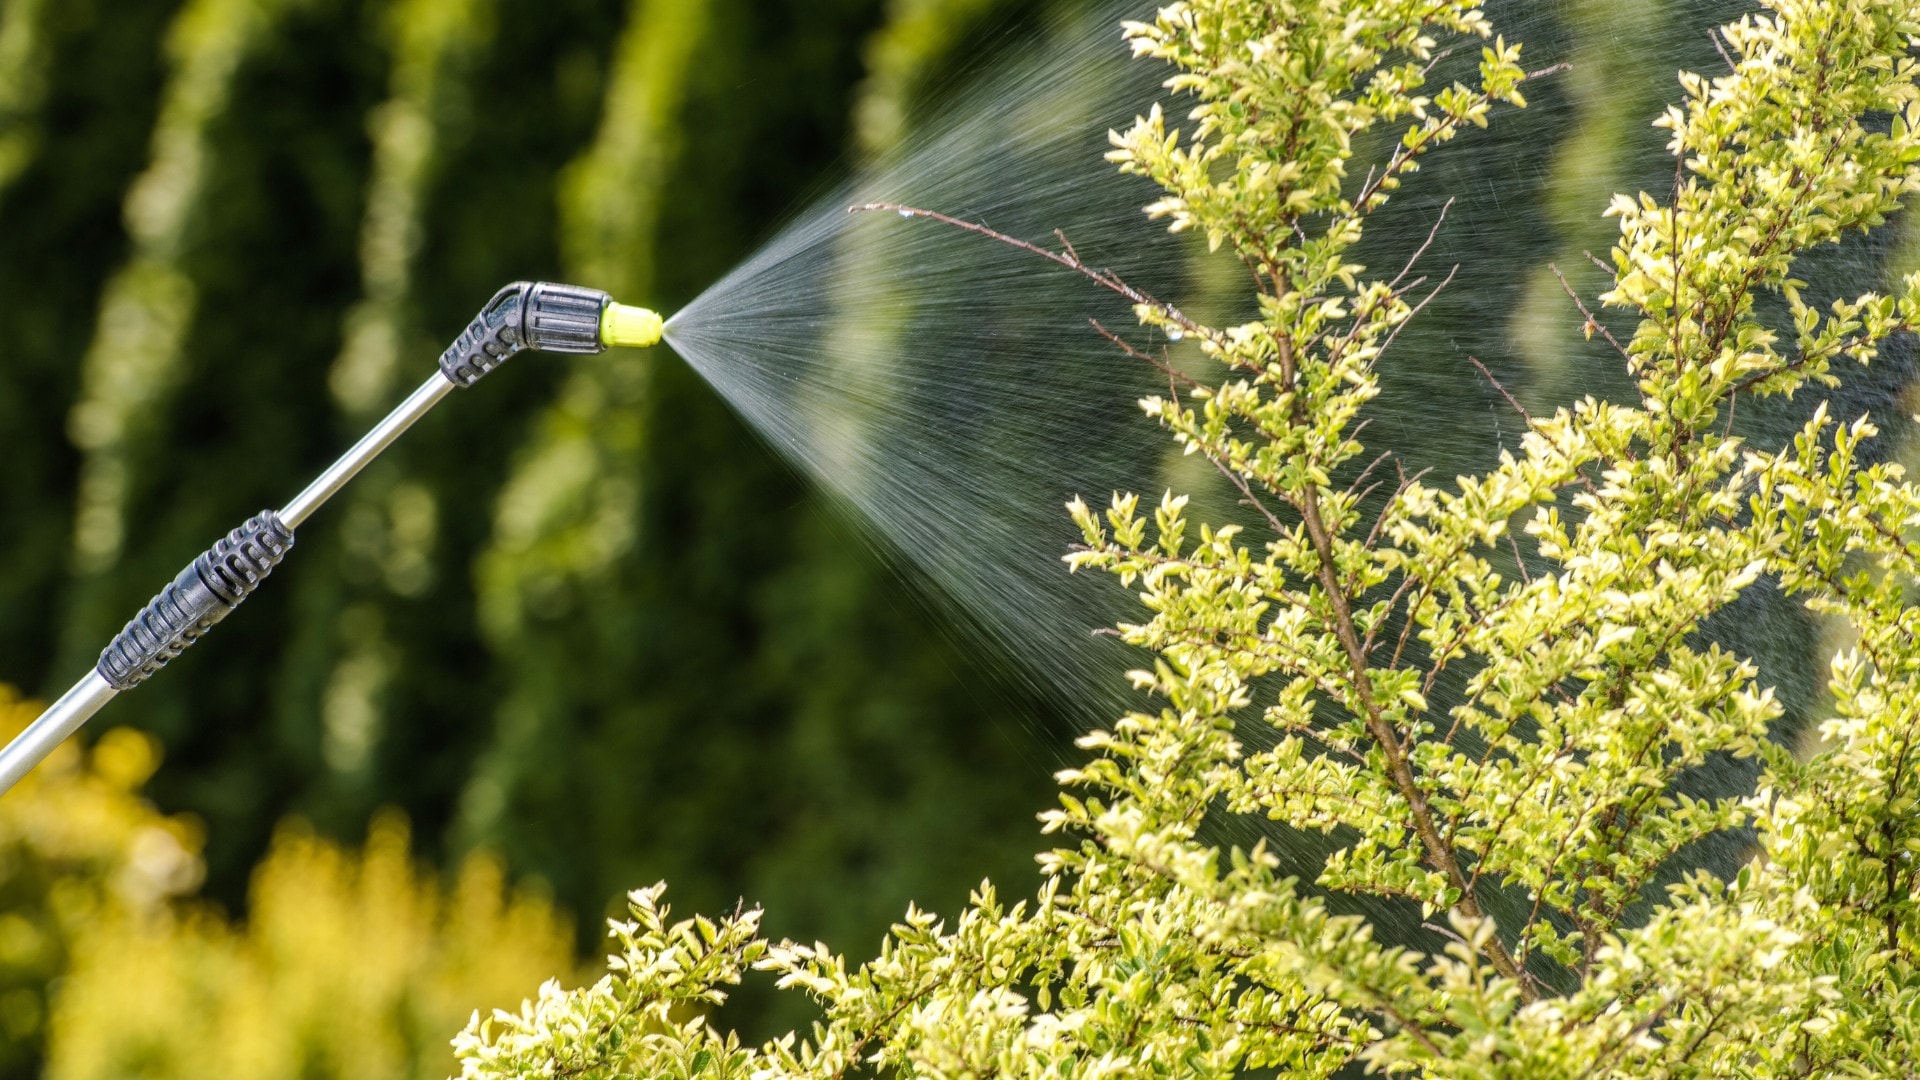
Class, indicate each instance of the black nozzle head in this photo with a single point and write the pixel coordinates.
(541, 315)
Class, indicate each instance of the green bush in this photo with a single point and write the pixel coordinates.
(1532, 828)
(77, 845)
(349, 964)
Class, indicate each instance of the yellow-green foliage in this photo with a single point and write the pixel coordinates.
(77, 845)
(348, 965)
(1528, 823)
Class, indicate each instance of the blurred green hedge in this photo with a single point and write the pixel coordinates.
(236, 231)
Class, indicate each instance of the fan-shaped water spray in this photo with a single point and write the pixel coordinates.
(955, 392)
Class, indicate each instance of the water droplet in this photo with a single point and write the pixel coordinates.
(1174, 333)
(906, 213)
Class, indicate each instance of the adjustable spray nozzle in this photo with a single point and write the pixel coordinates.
(538, 315)
(549, 317)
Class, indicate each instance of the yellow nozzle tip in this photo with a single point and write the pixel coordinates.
(634, 327)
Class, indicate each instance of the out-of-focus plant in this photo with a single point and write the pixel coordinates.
(1533, 823)
(78, 845)
(918, 36)
(348, 965)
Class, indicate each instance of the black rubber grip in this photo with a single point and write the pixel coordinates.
(210, 587)
(539, 315)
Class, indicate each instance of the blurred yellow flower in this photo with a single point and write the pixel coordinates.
(349, 963)
(78, 845)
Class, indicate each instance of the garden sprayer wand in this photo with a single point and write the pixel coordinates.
(525, 315)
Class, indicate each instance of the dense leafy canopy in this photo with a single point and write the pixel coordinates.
(1530, 822)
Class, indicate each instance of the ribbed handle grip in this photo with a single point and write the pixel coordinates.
(210, 587)
(487, 342)
(525, 315)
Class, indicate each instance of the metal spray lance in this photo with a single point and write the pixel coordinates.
(543, 316)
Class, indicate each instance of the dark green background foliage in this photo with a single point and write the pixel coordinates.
(690, 667)
(745, 702)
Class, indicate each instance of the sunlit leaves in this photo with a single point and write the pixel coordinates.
(1585, 693)
(1489, 735)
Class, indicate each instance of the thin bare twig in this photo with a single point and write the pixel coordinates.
(1417, 309)
(1106, 279)
(1248, 498)
(1435, 62)
(1519, 560)
(1422, 249)
(1720, 47)
(1166, 369)
(1065, 244)
(1511, 400)
(1593, 325)
(1604, 266)
(1385, 455)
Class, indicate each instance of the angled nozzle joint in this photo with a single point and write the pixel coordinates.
(539, 315)
(549, 317)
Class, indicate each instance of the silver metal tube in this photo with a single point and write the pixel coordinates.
(61, 719)
(65, 716)
(369, 447)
